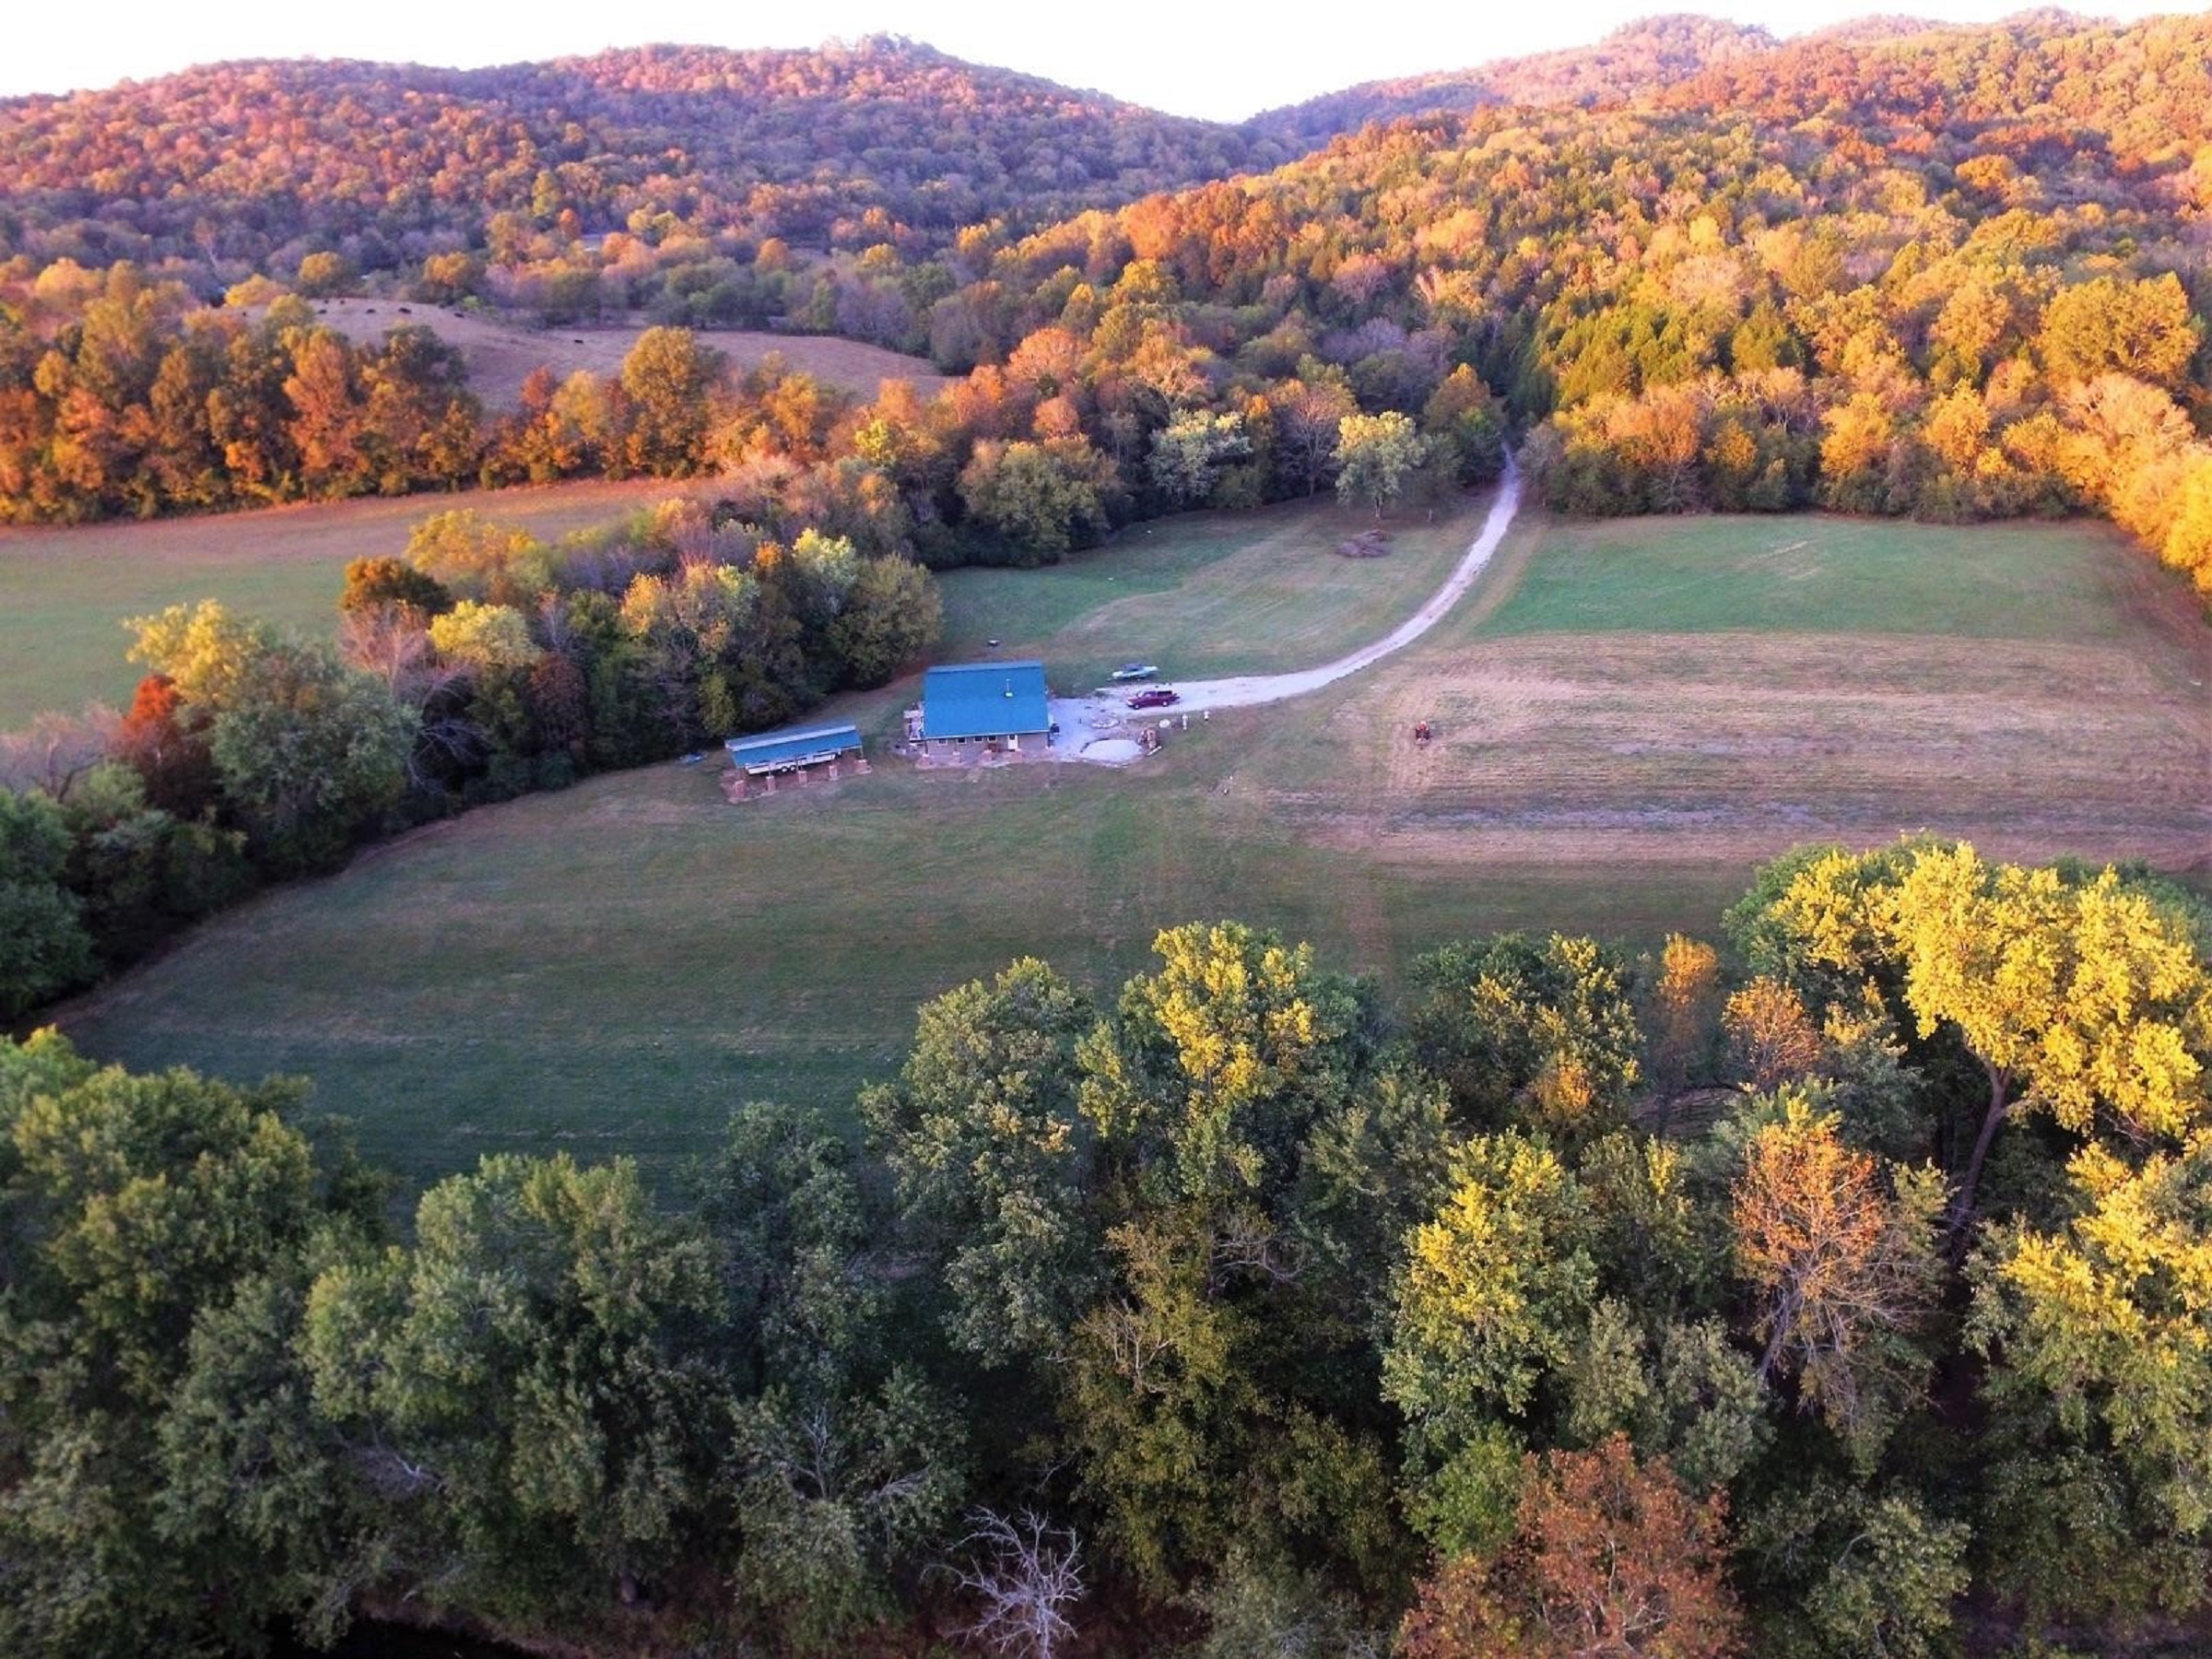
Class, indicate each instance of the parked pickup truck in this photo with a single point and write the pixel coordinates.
(1154, 697)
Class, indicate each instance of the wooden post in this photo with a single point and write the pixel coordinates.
(768, 784)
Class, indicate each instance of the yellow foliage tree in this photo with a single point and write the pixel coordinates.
(2075, 999)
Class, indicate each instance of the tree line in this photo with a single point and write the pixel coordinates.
(482, 665)
(1796, 1296)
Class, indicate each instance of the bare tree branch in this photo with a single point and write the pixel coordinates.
(1024, 1574)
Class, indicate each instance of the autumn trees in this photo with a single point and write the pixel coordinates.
(2082, 998)
(1841, 1257)
(307, 752)
(1679, 309)
(1210, 1285)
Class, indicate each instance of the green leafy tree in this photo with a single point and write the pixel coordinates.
(1493, 1291)
(843, 1463)
(1214, 1066)
(531, 1380)
(483, 637)
(982, 1133)
(1850, 1570)
(1041, 499)
(1189, 452)
(2079, 1000)
(2100, 1385)
(44, 948)
(306, 750)
(1377, 456)
(105, 1176)
(1464, 419)
(891, 616)
(1194, 1428)
(1521, 1031)
(260, 1493)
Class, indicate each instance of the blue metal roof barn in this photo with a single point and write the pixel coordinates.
(794, 745)
(983, 699)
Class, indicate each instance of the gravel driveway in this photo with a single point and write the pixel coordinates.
(1087, 720)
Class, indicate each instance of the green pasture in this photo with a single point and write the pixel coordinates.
(1818, 574)
(612, 968)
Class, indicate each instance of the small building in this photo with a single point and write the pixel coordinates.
(996, 704)
(792, 748)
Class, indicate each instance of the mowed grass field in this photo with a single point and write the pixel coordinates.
(610, 970)
(65, 591)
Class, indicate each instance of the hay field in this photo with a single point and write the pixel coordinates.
(500, 353)
(1724, 687)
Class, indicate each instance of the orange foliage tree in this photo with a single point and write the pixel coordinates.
(1842, 1264)
(1611, 1559)
(1772, 1039)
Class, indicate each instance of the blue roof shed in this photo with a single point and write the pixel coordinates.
(794, 745)
(984, 700)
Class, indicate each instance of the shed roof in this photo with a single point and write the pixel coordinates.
(792, 742)
(983, 699)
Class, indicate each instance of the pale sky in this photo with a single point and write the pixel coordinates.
(1189, 57)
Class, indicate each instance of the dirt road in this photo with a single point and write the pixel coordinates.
(1082, 719)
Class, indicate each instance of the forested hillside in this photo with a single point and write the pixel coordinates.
(1956, 273)
(1638, 58)
(881, 141)
(1959, 273)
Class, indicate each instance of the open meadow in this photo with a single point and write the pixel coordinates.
(1629, 718)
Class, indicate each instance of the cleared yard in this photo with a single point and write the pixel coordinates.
(611, 969)
(67, 590)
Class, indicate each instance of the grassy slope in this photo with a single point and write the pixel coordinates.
(611, 968)
(66, 592)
